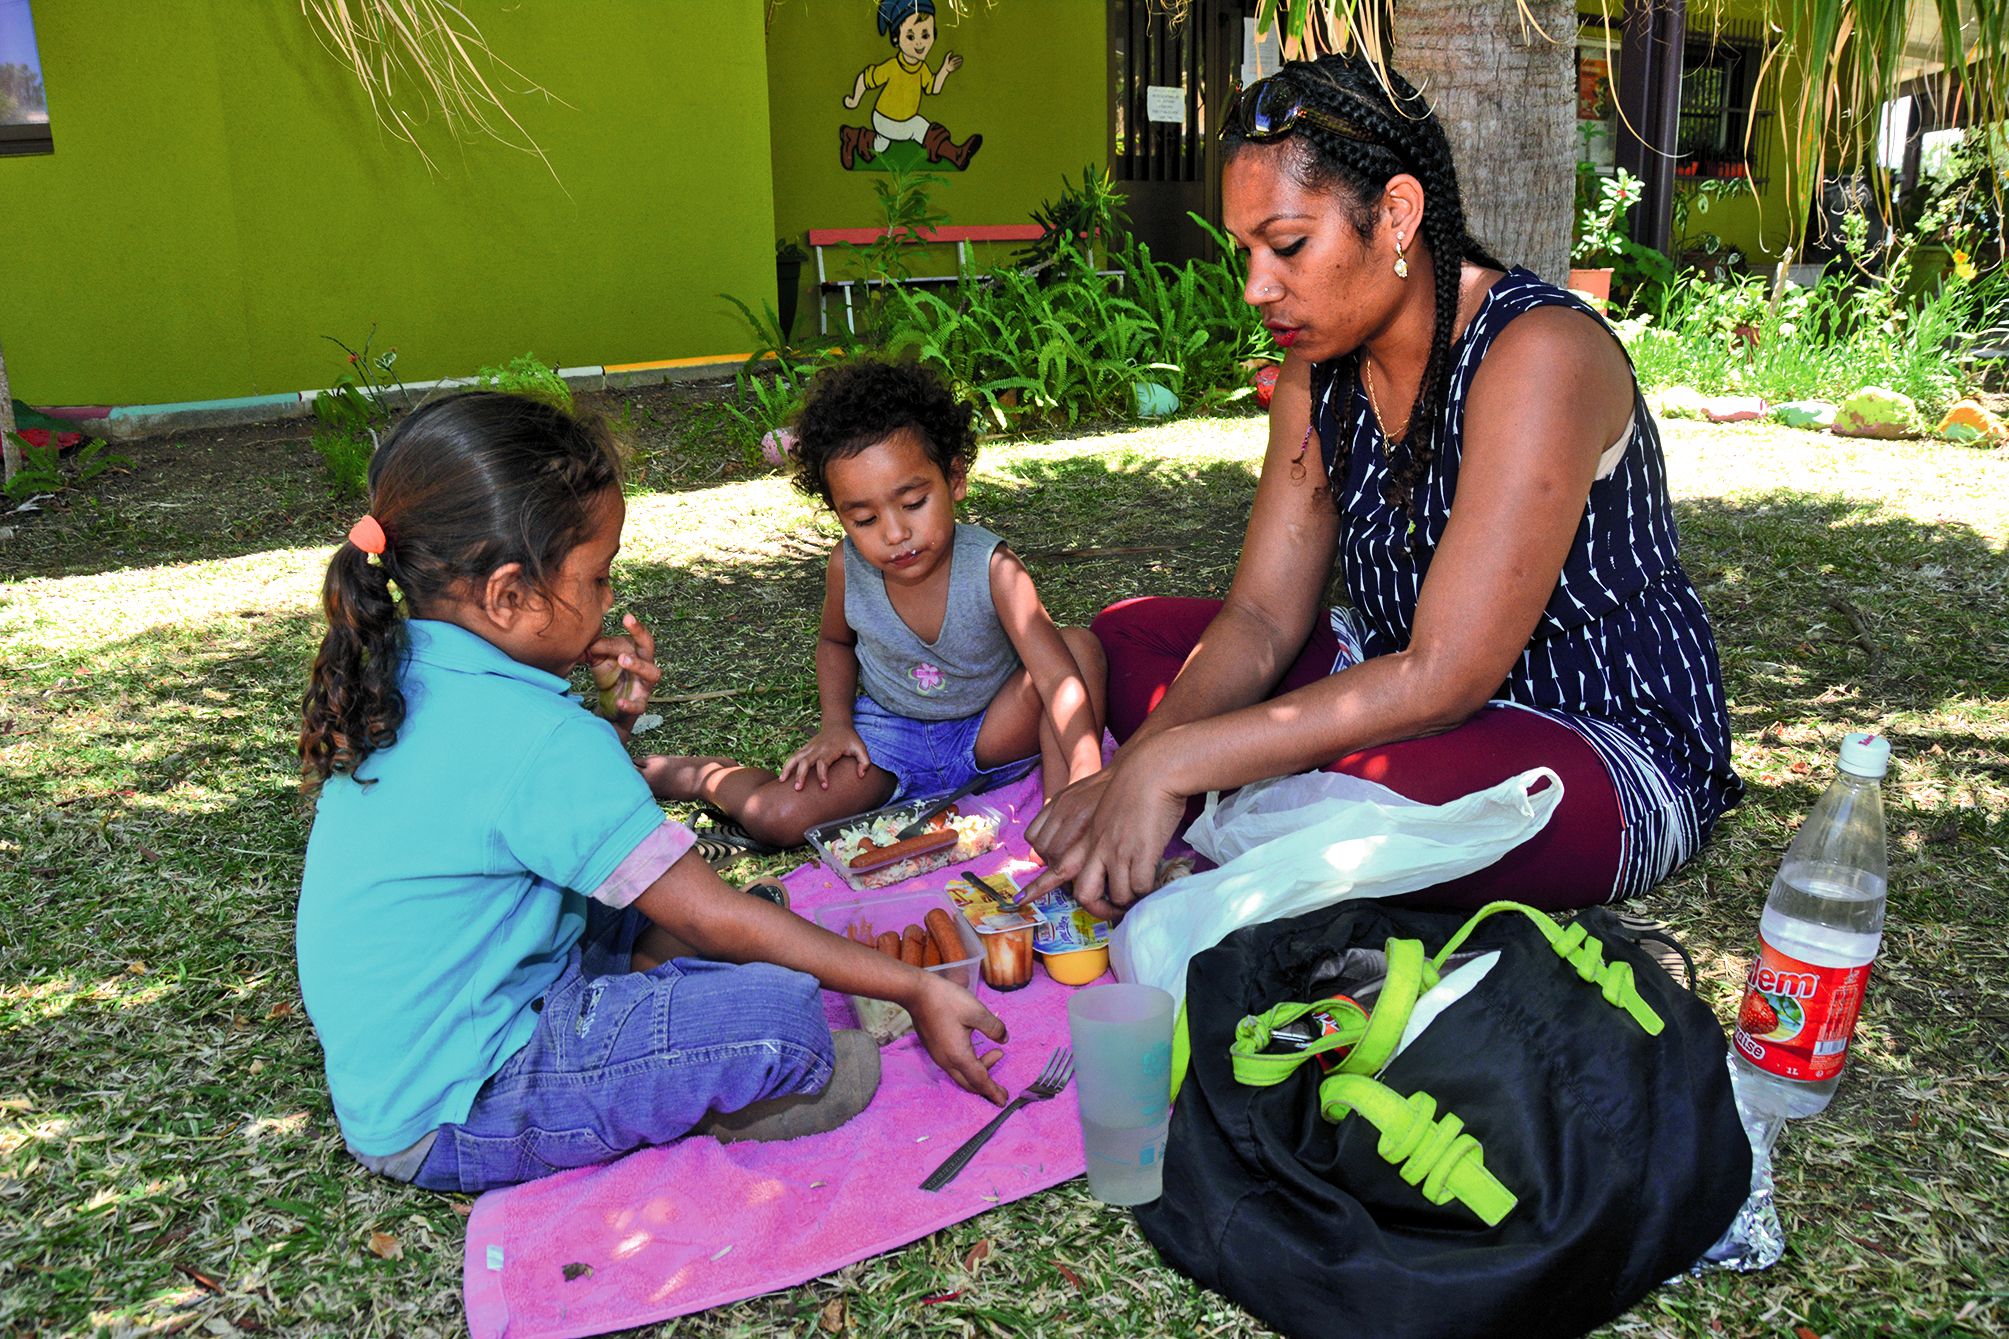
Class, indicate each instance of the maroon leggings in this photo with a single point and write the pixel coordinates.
(1573, 862)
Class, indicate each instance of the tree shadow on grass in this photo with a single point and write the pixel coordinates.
(1834, 614)
(1829, 608)
(212, 493)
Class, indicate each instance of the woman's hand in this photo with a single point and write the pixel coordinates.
(944, 1015)
(625, 671)
(829, 746)
(1112, 860)
(1062, 820)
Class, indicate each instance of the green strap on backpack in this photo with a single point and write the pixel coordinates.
(1431, 1152)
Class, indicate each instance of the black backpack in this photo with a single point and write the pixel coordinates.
(1554, 1145)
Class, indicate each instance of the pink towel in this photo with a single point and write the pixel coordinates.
(667, 1231)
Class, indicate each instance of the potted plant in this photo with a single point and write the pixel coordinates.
(1600, 237)
(788, 259)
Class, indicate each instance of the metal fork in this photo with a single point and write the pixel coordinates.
(1059, 1069)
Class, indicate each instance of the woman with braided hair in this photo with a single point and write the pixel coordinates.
(1542, 621)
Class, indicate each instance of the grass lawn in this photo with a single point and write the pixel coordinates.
(168, 1159)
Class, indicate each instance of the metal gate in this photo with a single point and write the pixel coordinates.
(1167, 165)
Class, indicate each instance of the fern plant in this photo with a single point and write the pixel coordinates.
(530, 376)
(41, 470)
(1062, 344)
(773, 382)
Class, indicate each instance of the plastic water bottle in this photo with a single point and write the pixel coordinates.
(1822, 925)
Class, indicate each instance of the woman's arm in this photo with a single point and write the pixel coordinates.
(1278, 591)
(1055, 677)
(692, 903)
(1524, 479)
(1280, 580)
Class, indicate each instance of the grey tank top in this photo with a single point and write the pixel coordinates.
(953, 676)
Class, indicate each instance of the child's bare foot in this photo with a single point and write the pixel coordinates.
(676, 777)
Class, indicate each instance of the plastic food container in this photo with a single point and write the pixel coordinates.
(1072, 943)
(1075, 966)
(839, 843)
(1007, 942)
(895, 911)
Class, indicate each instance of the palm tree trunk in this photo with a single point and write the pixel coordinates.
(1505, 94)
(10, 446)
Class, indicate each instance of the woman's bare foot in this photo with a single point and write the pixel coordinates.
(677, 777)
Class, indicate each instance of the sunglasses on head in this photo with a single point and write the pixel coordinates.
(1272, 108)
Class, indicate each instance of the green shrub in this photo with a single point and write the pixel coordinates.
(527, 375)
(1066, 343)
(347, 455)
(1034, 344)
(347, 437)
(1826, 341)
(43, 469)
(353, 410)
(1091, 214)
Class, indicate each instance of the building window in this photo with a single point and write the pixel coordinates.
(1718, 73)
(24, 108)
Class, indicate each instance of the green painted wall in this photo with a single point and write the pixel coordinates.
(220, 198)
(1034, 83)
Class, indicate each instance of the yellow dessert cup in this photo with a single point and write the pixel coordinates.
(1076, 967)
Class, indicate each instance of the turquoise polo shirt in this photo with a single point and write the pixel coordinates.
(443, 891)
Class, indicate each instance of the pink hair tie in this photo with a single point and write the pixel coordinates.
(367, 535)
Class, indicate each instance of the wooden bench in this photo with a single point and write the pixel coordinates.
(822, 239)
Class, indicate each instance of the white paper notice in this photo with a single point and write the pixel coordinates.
(1166, 103)
(1260, 59)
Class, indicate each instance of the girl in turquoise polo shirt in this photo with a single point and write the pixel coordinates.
(512, 960)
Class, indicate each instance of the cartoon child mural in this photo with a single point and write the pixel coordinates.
(902, 82)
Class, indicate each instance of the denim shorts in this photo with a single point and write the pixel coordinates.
(622, 1059)
(925, 757)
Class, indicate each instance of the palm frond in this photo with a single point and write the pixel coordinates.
(431, 54)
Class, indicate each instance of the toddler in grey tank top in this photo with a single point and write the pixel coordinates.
(961, 670)
(936, 663)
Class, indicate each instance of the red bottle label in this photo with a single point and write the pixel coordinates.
(1797, 1018)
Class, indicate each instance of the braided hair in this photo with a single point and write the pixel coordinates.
(1402, 136)
(463, 486)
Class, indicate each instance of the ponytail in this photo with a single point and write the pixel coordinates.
(353, 705)
(464, 485)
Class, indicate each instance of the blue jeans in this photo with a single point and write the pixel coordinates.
(925, 757)
(623, 1059)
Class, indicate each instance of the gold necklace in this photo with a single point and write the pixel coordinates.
(1367, 376)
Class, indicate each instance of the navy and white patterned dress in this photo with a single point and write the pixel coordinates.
(1623, 654)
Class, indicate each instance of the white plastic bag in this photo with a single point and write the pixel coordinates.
(1298, 843)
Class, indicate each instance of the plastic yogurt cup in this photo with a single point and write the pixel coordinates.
(1007, 942)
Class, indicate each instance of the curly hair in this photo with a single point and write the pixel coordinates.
(862, 401)
(463, 486)
(1402, 135)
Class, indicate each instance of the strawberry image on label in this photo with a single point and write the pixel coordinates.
(1757, 1016)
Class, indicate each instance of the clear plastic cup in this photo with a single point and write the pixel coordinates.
(1122, 1037)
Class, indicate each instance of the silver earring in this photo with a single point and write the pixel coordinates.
(1401, 261)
